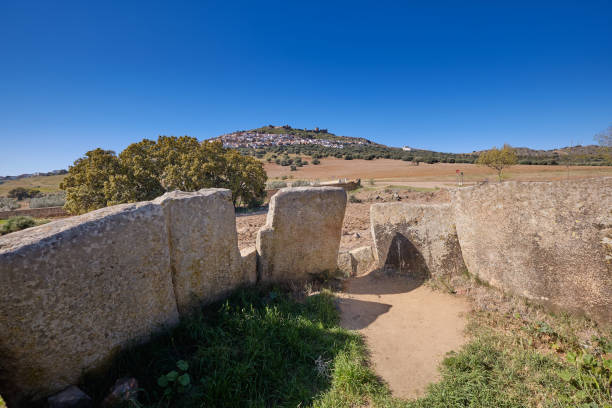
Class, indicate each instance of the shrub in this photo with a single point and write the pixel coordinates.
(21, 193)
(353, 199)
(273, 185)
(300, 183)
(8, 204)
(147, 169)
(19, 223)
(293, 168)
(48, 200)
(316, 161)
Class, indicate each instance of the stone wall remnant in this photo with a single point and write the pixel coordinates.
(204, 257)
(75, 291)
(547, 241)
(302, 233)
(419, 239)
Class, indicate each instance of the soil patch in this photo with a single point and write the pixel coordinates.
(356, 227)
(408, 327)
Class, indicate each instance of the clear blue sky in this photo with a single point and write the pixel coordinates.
(448, 76)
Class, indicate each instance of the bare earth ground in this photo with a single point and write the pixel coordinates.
(408, 327)
(389, 171)
(356, 228)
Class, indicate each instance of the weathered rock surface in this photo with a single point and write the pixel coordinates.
(249, 264)
(546, 241)
(123, 391)
(419, 239)
(302, 233)
(345, 263)
(357, 261)
(364, 259)
(71, 397)
(74, 291)
(204, 256)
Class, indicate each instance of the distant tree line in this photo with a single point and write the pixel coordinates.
(374, 151)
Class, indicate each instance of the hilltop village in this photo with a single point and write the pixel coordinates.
(283, 136)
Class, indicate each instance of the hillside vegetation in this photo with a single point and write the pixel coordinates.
(362, 148)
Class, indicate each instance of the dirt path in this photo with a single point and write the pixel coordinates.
(408, 327)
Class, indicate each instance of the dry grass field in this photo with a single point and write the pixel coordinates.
(46, 184)
(384, 171)
(392, 171)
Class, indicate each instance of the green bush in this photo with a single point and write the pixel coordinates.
(147, 169)
(353, 199)
(316, 161)
(21, 193)
(300, 183)
(274, 184)
(19, 223)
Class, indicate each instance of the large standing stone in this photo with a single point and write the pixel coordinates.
(416, 238)
(205, 259)
(75, 291)
(547, 241)
(302, 233)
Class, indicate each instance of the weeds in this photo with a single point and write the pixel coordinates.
(258, 348)
(265, 348)
(19, 223)
(354, 199)
(48, 200)
(7, 204)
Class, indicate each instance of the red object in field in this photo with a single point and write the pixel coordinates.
(457, 171)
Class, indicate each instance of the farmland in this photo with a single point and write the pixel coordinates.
(400, 172)
(383, 171)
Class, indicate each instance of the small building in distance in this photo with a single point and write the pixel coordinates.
(406, 148)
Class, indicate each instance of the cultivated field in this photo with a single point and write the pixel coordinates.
(384, 171)
(393, 171)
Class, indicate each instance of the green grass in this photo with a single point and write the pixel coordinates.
(19, 223)
(262, 348)
(256, 349)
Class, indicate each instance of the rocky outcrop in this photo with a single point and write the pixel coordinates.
(419, 239)
(547, 241)
(204, 257)
(74, 291)
(302, 233)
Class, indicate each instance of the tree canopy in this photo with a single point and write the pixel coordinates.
(498, 159)
(147, 169)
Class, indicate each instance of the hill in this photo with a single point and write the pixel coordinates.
(277, 143)
(268, 136)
